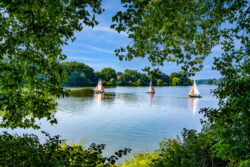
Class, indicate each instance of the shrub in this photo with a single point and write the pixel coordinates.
(140, 160)
(26, 150)
(194, 150)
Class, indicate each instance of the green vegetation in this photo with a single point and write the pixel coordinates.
(194, 150)
(208, 81)
(26, 150)
(176, 81)
(31, 77)
(107, 74)
(140, 160)
(81, 74)
(31, 40)
(184, 32)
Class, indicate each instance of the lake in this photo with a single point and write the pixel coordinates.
(127, 116)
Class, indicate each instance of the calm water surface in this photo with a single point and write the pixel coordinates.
(127, 116)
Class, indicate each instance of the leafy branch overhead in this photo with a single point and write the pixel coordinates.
(174, 31)
(32, 36)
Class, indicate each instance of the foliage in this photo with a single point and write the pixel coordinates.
(111, 82)
(175, 81)
(32, 35)
(26, 150)
(80, 74)
(119, 73)
(185, 32)
(182, 76)
(159, 82)
(140, 160)
(135, 78)
(209, 81)
(175, 31)
(230, 122)
(130, 78)
(194, 150)
(130, 75)
(165, 78)
(106, 74)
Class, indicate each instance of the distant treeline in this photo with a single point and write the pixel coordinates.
(83, 75)
(208, 81)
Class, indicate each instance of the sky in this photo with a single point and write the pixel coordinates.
(95, 47)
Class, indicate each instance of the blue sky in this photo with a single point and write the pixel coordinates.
(95, 47)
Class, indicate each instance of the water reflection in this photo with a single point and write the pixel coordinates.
(109, 98)
(81, 92)
(127, 98)
(98, 98)
(151, 98)
(193, 105)
(127, 116)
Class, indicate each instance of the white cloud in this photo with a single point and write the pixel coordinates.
(106, 29)
(69, 51)
(82, 58)
(95, 48)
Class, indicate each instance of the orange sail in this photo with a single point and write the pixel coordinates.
(102, 88)
(99, 87)
(191, 91)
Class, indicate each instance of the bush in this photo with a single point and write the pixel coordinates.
(140, 160)
(111, 82)
(194, 150)
(26, 150)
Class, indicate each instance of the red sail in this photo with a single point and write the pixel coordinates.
(102, 88)
(152, 89)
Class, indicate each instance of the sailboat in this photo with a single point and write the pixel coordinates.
(99, 88)
(194, 92)
(151, 88)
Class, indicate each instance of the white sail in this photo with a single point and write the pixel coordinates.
(196, 91)
(150, 85)
(99, 85)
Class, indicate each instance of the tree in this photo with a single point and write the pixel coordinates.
(130, 75)
(119, 73)
(161, 33)
(176, 81)
(185, 32)
(165, 78)
(80, 74)
(27, 150)
(111, 82)
(138, 82)
(32, 36)
(159, 82)
(173, 75)
(144, 80)
(106, 74)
